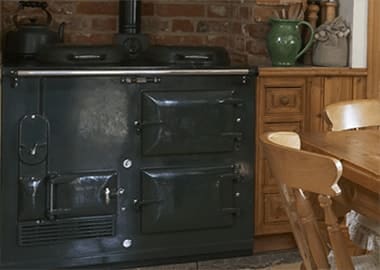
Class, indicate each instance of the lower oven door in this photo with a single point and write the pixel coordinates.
(179, 199)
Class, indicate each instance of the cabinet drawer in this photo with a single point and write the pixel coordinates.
(274, 211)
(280, 100)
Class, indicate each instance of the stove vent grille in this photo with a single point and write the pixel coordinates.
(53, 232)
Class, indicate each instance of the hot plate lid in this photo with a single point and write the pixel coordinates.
(187, 55)
(176, 56)
(62, 54)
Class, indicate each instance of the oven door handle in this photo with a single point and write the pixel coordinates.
(86, 57)
(141, 203)
(140, 125)
(51, 211)
(230, 101)
(236, 179)
(236, 134)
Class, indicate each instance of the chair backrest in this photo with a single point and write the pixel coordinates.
(353, 114)
(297, 171)
(301, 169)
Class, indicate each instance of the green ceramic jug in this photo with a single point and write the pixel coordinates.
(284, 41)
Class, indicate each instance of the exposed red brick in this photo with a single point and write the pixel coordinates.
(263, 14)
(182, 26)
(275, 2)
(104, 24)
(94, 38)
(239, 58)
(257, 30)
(234, 12)
(154, 25)
(237, 28)
(218, 11)
(257, 46)
(62, 7)
(175, 10)
(238, 43)
(9, 6)
(147, 9)
(74, 23)
(98, 7)
(179, 40)
(213, 26)
(218, 40)
(244, 13)
(240, 26)
(257, 59)
(202, 27)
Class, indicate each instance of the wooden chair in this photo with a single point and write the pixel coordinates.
(353, 114)
(297, 171)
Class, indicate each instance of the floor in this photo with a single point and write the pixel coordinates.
(285, 260)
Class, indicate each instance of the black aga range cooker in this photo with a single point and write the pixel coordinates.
(135, 160)
(139, 165)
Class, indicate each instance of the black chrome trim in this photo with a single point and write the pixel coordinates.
(72, 73)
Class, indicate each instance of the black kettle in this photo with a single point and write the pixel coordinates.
(25, 42)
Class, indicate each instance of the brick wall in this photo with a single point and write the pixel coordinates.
(238, 25)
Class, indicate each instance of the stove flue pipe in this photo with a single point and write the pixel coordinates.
(129, 16)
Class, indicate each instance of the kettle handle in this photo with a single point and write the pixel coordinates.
(61, 32)
(32, 4)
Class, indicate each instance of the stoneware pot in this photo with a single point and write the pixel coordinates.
(284, 41)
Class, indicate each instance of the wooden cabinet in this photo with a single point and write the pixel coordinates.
(292, 99)
(373, 49)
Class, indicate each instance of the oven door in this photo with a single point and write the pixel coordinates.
(186, 122)
(179, 199)
(86, 194)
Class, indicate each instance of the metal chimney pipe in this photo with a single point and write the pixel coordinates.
(129, 16)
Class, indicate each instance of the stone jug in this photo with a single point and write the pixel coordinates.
(284, 41)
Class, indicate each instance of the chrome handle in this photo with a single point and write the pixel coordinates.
(107, 193)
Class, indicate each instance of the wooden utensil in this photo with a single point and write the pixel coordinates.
(294, 10)
(283, 13)
(276, 14)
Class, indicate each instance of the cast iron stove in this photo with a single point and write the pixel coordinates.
(126, 163)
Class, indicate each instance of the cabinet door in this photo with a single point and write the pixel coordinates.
(323, 91)
(281, 108)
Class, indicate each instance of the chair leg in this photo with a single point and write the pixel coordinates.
(342, 256)
(302, 266)
(314, 238)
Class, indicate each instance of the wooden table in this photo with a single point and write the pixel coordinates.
(359, 152)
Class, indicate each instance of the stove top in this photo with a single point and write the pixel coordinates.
(155, 57)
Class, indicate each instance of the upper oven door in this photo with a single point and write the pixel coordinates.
(189, 122)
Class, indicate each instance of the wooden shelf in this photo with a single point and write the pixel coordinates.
(311, 71)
